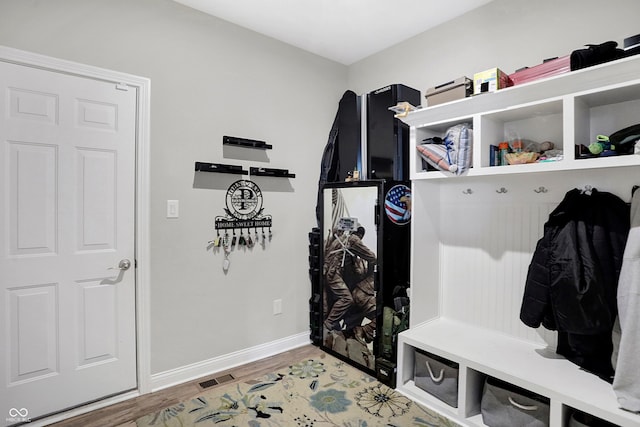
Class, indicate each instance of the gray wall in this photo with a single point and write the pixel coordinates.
(208, 79)
(508, 34)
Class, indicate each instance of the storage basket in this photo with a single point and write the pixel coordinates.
(506, 405)
(580, 419)
(437, 376)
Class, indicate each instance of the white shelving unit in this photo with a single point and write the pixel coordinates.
(473, 237)
(567, 109)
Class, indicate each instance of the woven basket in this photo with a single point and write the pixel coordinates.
(520, 158)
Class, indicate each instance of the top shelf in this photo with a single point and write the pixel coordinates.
(569, 110)
(599, 76)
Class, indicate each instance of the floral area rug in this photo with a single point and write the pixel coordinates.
(312, 393)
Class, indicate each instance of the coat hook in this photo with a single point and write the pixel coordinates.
(467, 191)
(502, 190)
(541, 190)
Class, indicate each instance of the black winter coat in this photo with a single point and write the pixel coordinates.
(572, 281)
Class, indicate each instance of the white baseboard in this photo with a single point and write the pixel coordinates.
(207, 367)
(189, 373)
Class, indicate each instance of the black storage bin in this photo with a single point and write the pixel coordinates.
(437, 376)
(506, 405)
(580, 419)
(386, 372)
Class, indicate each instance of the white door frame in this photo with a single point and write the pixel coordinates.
(143, 312)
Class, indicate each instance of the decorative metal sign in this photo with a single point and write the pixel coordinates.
(243, 210)
(397, 204)
(243, 207)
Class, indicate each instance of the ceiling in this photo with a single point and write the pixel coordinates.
(341, 30)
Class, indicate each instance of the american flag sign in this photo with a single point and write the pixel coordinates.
(397, 204)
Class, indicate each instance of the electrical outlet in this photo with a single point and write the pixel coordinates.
(277, 306)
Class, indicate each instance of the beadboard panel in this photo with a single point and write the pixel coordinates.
(485, 261)
(487, 233)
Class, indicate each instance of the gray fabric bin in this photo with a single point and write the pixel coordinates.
(506, 405)
(437, 376)
(580, 419)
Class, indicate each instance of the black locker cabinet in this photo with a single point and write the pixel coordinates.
(364, 262)
(388, 137)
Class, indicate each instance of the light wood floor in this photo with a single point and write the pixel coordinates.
(125, 413)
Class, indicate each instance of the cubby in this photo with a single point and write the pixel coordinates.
(473, 237)
(605, 111)
(542, 121)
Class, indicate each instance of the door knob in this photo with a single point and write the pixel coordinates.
(124, 264)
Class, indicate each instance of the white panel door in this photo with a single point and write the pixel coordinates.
(67, 188)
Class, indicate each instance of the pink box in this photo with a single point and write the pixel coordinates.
(546, 69)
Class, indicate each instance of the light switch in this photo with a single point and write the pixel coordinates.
(277, 306)
(173, 208)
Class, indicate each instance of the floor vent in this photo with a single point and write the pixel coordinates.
(209, 383)
(215, 381)
(225, 378)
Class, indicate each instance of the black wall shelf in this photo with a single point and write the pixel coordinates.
(244, 142)
(279, 173)
(220, 168)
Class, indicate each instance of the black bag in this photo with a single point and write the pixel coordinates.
(625, 139)
(595, 54)
(330, 164)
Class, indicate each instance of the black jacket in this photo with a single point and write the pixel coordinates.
(573, 277)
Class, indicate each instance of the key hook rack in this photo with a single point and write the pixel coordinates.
(225, 223)
(228, 241)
